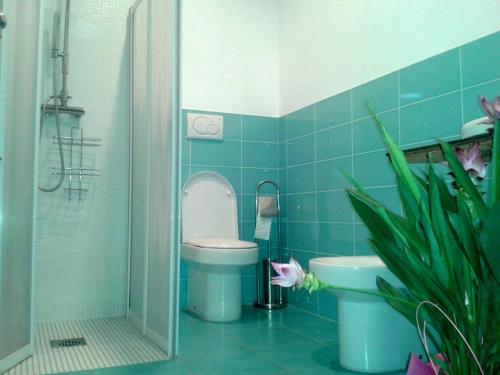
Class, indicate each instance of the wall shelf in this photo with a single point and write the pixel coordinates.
(419, 154)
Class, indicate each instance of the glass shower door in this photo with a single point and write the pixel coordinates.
(18, 132)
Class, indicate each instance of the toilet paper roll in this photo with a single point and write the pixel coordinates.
(268, 206)
(263, 227)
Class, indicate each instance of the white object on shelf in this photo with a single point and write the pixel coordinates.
(202, 126)
(475, 127)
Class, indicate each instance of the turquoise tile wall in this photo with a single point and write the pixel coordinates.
(248, 154)
(308, 150)
(429, 99)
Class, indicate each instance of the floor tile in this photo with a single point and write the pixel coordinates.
(248, 362)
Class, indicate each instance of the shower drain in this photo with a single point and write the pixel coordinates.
(68, 343)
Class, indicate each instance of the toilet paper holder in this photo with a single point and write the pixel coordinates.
(269, 297)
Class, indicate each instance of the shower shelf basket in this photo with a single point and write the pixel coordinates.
(75, 170)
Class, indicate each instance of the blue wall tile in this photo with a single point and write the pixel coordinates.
(431, 119)
(334, 206)
(373, 169)
(435, 76)
(334, 142)
(301, 179)
(335, 239)
(366, 135)
(302, 207)
(327, 304)
(302, 298)
(472, 110)
(186, 151)
(301, 150)
(380, 94)
(252, 176)
(300, 122)
(221, 153)
(329, 173)
(302, 236)
(260, 155)
(258, 128)
(334, 110)
(480, 60)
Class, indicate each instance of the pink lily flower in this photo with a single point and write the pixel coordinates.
(417, 367)
(290, 274)
(491, 109)
(472, 161)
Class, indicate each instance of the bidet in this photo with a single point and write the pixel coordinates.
(372, 336)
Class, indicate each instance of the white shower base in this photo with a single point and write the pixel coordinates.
(110, 342)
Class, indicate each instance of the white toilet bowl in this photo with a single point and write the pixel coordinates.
(372, 336)
(211, 248)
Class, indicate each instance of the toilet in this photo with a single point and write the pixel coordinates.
(372, 336)
(211, 248)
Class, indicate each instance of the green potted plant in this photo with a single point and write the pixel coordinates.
(445, 249)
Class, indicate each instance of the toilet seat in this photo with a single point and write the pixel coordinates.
(220, 243)
(221, 256)
(211, 247)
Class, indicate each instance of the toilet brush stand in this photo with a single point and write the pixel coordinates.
(269, 297)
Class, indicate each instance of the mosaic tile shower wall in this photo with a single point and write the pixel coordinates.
(81, 254)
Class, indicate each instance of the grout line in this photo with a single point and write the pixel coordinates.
(430, 98)
(461, 85)
(481, 83)
(352, 169)
(399, 118)
(241, 178)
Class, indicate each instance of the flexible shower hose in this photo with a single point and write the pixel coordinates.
(58, 128)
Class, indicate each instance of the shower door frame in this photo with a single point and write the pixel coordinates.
(25, 351)
(168, 344)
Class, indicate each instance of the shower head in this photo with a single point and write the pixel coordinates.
(55, 35)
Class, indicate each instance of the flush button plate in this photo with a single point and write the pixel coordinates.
(203, 126)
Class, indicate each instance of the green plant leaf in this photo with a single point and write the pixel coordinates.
(490, 239)
(494, 167)
(464, 181)
(398, 159)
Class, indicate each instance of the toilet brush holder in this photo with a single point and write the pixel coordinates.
(269, 297)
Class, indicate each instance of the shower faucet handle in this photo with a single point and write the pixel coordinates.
(3, 22)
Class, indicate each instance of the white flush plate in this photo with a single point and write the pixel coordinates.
(202, 126)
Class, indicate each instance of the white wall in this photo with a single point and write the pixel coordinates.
(230, 56)
(328, 46)
(270, 57)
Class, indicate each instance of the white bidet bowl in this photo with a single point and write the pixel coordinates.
(372, 336)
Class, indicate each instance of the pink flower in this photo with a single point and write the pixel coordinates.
(472, 161)
(417, 367)
(491, 109)
(290, 274)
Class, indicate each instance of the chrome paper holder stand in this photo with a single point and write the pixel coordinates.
(273, 296)
(75, 170)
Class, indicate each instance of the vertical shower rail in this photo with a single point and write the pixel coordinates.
(273, 296)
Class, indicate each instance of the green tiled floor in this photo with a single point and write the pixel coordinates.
(283, 342)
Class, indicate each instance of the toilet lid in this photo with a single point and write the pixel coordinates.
(220, 243)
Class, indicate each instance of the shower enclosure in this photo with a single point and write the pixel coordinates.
(105, 266)
(18, 150)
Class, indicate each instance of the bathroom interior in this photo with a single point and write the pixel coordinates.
(157, 155)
